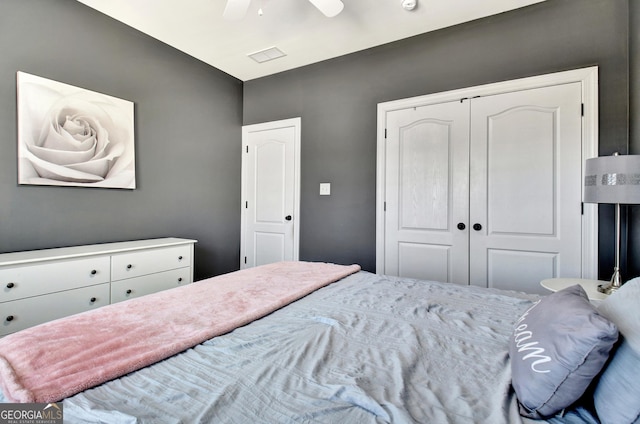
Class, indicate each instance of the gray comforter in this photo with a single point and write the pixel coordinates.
(366, 349)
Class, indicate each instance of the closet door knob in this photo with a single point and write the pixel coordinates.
(129, 291)
(129, 266)
(179, 258)
(477, 227)
(92, 300)
(180, 280)
(94, 272)
(461, 226)
(9, 318)
(288, 217)
(10, 285)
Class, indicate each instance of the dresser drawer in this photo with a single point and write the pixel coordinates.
(24, 313)
(135, 264)
(23, 281)
(147, 284)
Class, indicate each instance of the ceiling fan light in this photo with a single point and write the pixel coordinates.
(409, 4)
(235, 10)
(329, 8)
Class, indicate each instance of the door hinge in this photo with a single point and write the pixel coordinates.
(245, 259)
(246, 204)
(582, 109)
(385, 207)
(582, 208)
(385, 133)
(247, 148)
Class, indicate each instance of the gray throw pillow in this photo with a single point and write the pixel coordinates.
(617, 395)
(558, 346)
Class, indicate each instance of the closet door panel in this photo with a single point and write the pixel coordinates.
(520, 171)
(525, 187)
(424, 165)
(426, 192)
(503, 265)
(424, 261)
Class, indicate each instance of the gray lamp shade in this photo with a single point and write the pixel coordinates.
(612, 179)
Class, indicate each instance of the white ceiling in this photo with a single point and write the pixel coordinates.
(294, 26)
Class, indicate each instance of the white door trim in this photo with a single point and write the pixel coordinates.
(588, 77)
(296, 123)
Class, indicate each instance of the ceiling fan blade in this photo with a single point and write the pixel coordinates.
(330, 8)
(235, 9)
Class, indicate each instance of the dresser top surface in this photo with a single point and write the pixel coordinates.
(31, 256)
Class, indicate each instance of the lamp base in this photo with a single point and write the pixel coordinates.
(614, 284)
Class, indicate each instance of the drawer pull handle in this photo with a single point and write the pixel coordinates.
(94, 272)
(10, 285)
(179, 258)
(129, 266)
(180, 280)
(9, 318)
(93, 299)
(129, 291)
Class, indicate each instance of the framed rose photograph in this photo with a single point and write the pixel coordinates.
(70, 136)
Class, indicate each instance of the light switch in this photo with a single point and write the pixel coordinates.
(325, 189)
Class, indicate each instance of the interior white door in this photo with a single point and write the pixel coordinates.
(426, 185)
(270, 192)
(527, 202)
(487, 190)
(526, 187)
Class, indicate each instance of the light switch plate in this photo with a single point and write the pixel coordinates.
(325, 189)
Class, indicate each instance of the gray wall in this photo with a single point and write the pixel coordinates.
(188, 132)
(188, 118)
(337, 102)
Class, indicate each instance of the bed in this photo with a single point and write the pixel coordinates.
(358, 348)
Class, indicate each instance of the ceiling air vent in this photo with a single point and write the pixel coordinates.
(267, 54)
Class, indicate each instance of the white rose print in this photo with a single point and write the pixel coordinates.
(72, 136)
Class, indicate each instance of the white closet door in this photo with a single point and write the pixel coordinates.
(525, 187)
(426, 186)
(270, 192)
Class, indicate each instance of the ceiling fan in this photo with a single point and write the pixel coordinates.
(236, 9)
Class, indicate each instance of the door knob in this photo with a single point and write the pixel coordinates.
(288, 217)
(461, 226)
(477, 227)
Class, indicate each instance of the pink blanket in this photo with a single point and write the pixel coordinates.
(60, 358)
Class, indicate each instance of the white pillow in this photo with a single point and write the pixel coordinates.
(617, 394)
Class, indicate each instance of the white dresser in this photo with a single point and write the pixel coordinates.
(41, 285)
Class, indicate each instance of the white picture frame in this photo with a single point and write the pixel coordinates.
(70, 136)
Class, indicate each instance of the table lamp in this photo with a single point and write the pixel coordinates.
(613, 179)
